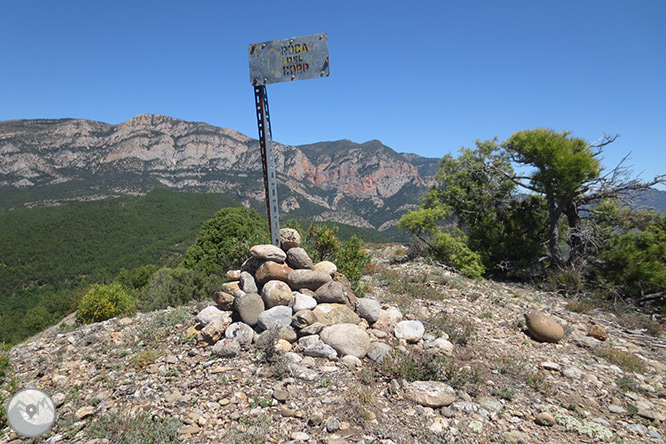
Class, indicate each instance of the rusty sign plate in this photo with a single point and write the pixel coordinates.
(297, 58)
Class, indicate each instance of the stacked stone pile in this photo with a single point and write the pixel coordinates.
(309, 306)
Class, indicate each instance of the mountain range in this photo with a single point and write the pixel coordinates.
(46, 162)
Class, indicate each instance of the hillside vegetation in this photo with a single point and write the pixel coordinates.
(48, 253)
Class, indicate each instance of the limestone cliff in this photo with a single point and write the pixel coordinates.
(79, 159)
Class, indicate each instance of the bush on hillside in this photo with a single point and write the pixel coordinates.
(171, 287)
(104, 302)
(225, 239)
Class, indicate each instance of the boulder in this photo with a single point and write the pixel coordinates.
(226, 348)
(232, 287)
(543, 328)
(313, 329)
(210, 313)
(368, 309)
(330, 314)
(597, 332)
(430, 393)
(387, 320)
(268, 252)
(319, 350)
(411, 331)
(241, 332)
(289, 238)
(309, 279)
(303, 318)
(214, 330)
(247, 283)
(276, 293)
(298, 258)
(249, 307)
(233, 275)
(327, 267)
(378, 350)
(347, 339)
(278, 316)
(270, 271)
(224, 300)
(331, 292)
(303, 302)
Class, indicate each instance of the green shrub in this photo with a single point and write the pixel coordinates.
(171, 287)
(104, 302)
(351, 261)
(225, 239)
(322, 243)
(141, 429)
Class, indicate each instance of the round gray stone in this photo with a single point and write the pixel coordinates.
(368, 309)
(249, 307)
(241, 332)
(268, 252)
(331, 292)
(347, 339)
(276, 293)
(278, 316)
(298, 258)
(309, 279)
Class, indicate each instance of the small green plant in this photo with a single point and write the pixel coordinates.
(104, 302)
(504, 393)
(627, 384)
(141, 429)
(257, 401)
(144, 358)
(460, 331)
(171, 373)
(537, 382)
(325, 381)
(486, 315)
(366, 376)
(625, 360)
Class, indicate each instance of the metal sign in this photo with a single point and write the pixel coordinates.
(297, 58)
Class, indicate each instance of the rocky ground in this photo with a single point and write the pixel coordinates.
(142, 378)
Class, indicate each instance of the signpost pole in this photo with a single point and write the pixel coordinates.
(297, 58)
(268, 162)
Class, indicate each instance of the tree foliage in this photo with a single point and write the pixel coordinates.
(225, 239)
(104, 302)
(569, 215)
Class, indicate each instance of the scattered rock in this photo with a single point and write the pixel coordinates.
(543, 328)
(430, 393)
(215, 329)
(378, 350)
(545, 419)
(411, 331)
(598, 332)
(319, 350)
(368, 309)
(347, 339)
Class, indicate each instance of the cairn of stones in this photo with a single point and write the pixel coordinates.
(305, 305)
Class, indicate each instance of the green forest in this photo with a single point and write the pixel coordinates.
(50, 255)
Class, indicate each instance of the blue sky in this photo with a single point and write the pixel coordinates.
(422, 76)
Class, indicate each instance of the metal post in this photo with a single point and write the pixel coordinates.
(268, 162)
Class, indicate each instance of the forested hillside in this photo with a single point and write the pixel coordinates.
(48, 253)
